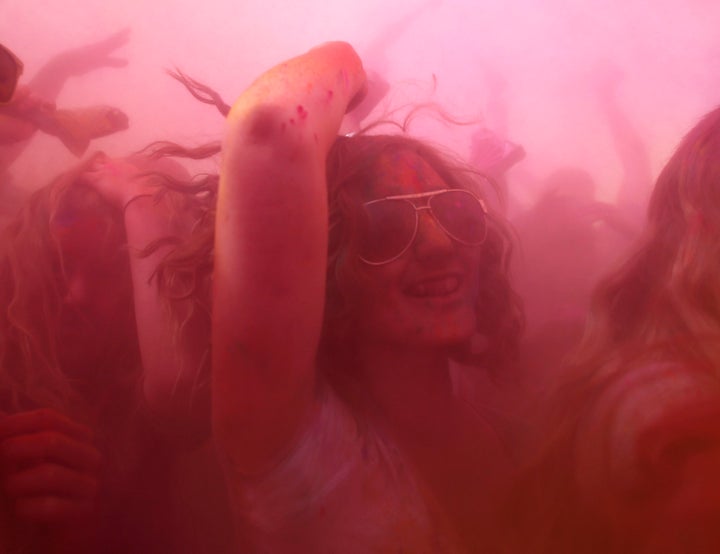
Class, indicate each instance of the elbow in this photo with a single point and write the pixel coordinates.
(261, 125)
(281, 132)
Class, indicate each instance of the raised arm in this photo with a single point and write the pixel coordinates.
(631, 150)
(270, 250)
(52, 76)
(171, 362)
(34, 108)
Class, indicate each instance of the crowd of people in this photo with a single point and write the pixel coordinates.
(306, 351)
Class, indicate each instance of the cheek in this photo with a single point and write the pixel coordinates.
(365, 292)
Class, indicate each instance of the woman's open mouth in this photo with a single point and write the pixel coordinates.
(444, 285)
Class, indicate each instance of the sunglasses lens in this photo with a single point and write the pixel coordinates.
(461, 215)
(388, 229)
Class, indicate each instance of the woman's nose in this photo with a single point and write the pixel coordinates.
(431, 239)
(76, 292)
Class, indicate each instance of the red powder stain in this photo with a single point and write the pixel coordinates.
(283, 126)
(302, 112)
(292, 121)
(330, 95)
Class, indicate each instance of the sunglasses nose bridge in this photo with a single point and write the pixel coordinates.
(429, 232)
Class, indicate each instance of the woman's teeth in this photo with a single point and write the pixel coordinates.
(435, 287)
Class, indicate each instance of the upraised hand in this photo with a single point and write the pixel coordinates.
(51, 78)
(81, 60)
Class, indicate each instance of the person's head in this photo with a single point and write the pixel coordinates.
(570, 185)
(667, 294)
(423, 271)
(67, 295)
(10, 70)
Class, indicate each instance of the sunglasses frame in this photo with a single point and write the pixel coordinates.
(408, 198)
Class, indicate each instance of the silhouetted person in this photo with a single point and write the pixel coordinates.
(630, 450)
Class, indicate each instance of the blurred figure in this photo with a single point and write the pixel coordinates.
(375, 55)
(561, 246)
(349, 272)
(630, 458)
(11, 69)
(569, 239)
(89, 425)
(33, 106)
(490, 150)
(636, 184)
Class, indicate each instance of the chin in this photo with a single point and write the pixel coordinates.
(445, 332)
(450, 339)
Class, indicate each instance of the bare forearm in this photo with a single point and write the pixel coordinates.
(272, 218)
(271, 249)
(171, 363)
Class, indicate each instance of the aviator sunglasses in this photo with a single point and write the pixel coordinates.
(392, 222)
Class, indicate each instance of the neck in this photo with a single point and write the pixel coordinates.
(405, 386)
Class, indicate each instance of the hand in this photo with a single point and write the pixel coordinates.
(96, 55)
(25, 102)
(369, 96)
(325, 81)
(487, 149)
(48, 466)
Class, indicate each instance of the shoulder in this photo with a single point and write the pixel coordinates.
(340, 479)
(646, 444)
(665, 398)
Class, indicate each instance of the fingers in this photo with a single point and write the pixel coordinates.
(30, 449)
(358, 98)
(51, 480)
(44, 419)
(52, 509)
(117, 118)
(113, 42)
(49, 465)
(117, 39)
(92, 56)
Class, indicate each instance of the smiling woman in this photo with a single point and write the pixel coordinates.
(333, 333)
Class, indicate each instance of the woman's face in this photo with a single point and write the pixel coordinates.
(96, 313)
(427, 296)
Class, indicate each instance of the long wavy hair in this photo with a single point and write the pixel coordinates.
(662, 304)
(666, 296)
(185, 273)
(352, 161)
(32, 288)
(32, 280)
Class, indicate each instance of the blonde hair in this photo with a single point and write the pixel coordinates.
(32, 288)
(662, 304)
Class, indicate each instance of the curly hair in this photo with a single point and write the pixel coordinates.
(665, 297)
(351, 163)
(32, 288)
